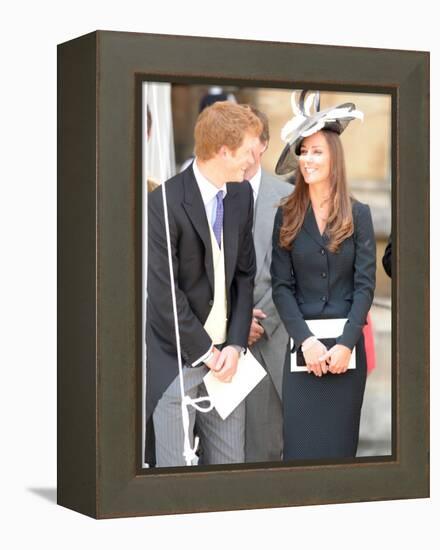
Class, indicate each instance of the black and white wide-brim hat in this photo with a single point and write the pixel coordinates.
(305, 123)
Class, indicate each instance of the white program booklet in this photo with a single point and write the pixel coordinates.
(226, 396)
(323, 328)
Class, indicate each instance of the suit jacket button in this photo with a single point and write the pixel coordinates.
(211, 302)
(324, 298)
(322, 251)
(323, 274)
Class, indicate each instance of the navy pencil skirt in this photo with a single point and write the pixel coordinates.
(322, 415)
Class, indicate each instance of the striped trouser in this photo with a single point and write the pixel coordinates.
(221, 441)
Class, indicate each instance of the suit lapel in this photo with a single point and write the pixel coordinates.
(230, 231)
(195, 209)
(311, 226)
(263, 223)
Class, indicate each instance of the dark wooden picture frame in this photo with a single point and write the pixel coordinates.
(99, 287)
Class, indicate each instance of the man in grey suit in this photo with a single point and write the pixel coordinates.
(267, 338)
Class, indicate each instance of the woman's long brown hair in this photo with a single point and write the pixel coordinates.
(340, 219)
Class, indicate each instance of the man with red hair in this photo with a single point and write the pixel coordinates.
(210, 215)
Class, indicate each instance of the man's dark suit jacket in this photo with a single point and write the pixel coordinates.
(387, 259)
(194, 276)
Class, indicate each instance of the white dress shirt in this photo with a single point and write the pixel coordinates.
(209, 192)
(255, 184)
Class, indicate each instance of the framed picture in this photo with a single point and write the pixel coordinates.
(106, 80)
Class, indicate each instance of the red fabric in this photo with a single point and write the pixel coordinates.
(370, 350)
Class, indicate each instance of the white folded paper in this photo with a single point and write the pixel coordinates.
(323, 328)
(226, 396)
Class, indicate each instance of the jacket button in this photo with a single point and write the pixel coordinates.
(323, 274)
(322, 251)
(324, 298)
(211, 302)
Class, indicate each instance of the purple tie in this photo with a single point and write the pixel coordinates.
(218, 222)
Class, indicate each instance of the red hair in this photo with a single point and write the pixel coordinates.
(223, 123)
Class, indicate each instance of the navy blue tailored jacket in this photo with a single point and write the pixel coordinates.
(310, 282)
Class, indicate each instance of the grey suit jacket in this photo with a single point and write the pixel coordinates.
(271, 348)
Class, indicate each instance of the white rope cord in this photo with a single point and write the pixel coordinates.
(186, 401)
(188, 452)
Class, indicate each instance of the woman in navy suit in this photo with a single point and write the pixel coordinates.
(323, 267)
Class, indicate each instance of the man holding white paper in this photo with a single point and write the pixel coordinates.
(213, 261)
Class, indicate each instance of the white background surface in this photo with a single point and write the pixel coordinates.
(29, 34)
